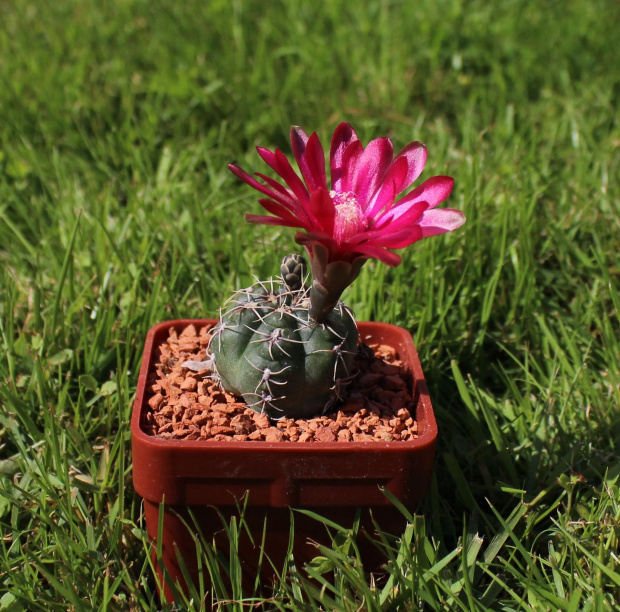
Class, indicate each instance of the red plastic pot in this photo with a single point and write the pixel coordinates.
(331, 479)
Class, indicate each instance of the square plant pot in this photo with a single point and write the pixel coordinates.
(200, 482)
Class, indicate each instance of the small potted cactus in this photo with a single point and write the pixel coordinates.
(288, 349)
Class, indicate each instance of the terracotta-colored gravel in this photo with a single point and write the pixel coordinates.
(189, 405)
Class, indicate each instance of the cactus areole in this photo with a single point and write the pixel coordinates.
(268, 349)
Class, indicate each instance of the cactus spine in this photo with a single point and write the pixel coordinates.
(268, 349)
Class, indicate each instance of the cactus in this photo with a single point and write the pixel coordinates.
(268, 349)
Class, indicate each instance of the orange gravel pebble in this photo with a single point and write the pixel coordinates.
(189, 405)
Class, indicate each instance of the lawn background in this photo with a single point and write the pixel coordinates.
(117, 120)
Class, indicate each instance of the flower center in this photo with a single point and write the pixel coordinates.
(350, 219)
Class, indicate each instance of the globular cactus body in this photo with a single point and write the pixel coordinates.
(267, 349)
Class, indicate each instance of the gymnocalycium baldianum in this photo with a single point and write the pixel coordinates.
(287, 347)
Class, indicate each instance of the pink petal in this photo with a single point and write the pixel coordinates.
(343, 136)
(281, 189)
(350, 159)
(315, 159)
(434, 191)
(347, 252)
(299, 138)
(371, 168)
(294, 205)
(391, 187)
(252, 182)
(322, 210)
(374, 252)
(265, 220)
(441, 220)
(415, 153)
(409, 214)
(399, 239)
(279, 163)
(383, 234)
(281, 211)
(310, 158)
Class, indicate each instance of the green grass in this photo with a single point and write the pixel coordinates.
(116, 211)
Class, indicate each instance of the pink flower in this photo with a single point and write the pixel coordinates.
(360, 216)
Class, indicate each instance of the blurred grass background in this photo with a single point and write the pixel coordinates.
(117, 120)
